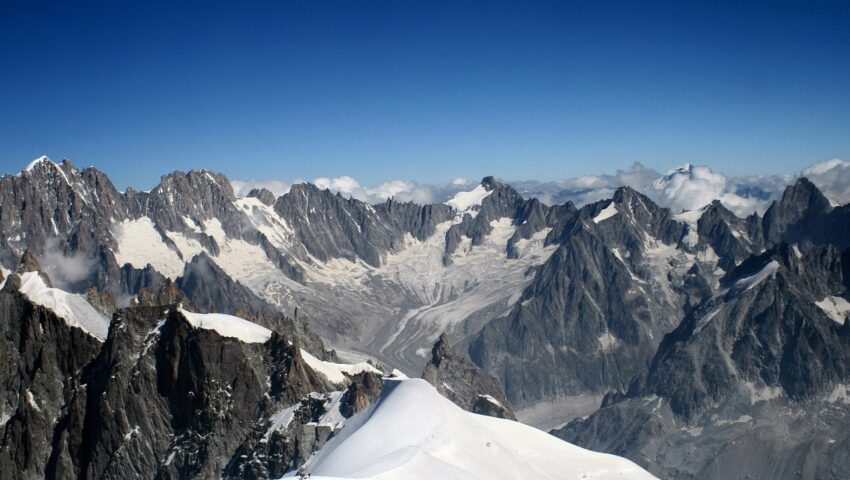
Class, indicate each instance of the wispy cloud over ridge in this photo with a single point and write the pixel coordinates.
(686, 187)
(243, 187)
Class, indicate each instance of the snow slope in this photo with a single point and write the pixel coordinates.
(606, 213)
(469, 202)
(74, 309)
(140, 244)
(336, 372)
(691, 219)
(412, 432)
(835, 307)
(229, 326)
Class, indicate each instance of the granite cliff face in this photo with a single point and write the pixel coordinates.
(459, 380)
(330, 226)
(753, 382)
(43, 359)
(166, 393)
(594, 312)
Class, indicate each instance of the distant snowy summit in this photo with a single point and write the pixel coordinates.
(464, 203)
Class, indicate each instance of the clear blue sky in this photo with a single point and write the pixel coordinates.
(423, 90)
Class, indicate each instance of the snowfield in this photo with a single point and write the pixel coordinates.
(140, 244)
(835, 308)
(336, 372)
(74, 309)
(469, 202)
(229, 326)
(412, 432)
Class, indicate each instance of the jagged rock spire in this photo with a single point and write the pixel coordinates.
(264, 195)
(29, 263)
(459, 380)
(441, 349)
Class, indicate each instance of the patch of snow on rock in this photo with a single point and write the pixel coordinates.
(747, 283)
(468, 202)
(140, 244)
(836, 308)
(74, 309)
(691, 219)
(336, 372)
(280, 420)
(229, 326)
(606, 213)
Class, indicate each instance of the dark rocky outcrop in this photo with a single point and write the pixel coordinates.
(330, 226)
(159, 398)
(169, 293)
(729, 236)
(365, 388)
(459, 380)
(172, 400)
(212, 290)
(804, 214)
(103, 302)
(264, 195)
(44, 396)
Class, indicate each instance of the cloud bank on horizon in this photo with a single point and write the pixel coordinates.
(687, 187)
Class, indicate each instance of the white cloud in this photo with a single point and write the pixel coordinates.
(588, 188)
(344, 184)
(399, 190)
(242, 187)
(65, 271)
(687, 187)
(824, 166)
(832, 177)
(690, 187)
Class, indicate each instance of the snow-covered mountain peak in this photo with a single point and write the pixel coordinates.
(44, 165)
(72, 308)
(470, 201)
(36, 162)
(412, 432)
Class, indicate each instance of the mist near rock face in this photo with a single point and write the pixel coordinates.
(65, 271)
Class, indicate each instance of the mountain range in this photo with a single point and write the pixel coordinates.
(697, 344)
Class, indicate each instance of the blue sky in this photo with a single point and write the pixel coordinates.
(423, 90)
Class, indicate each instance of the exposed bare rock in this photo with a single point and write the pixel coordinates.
(459, 380)
(103, 302)
(365, 388)
(264, 195)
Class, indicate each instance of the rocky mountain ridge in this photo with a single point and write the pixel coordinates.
(170, 393)
(166, 394)
(761, 365)
(574, 311)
